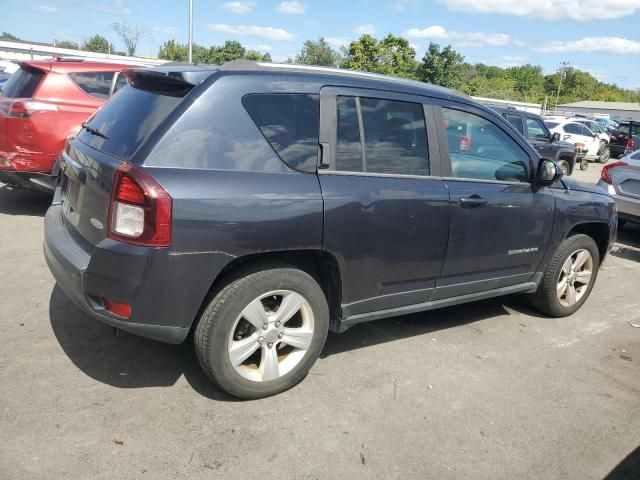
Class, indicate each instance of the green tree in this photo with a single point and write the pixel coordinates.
(231, 50)
(99, 44)
(528, 80)
(441, 66)
(257, 56)
(67, 44)
(318, 53)
(391, 56)
(8, 36)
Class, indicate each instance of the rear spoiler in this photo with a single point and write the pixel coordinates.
(171, 83)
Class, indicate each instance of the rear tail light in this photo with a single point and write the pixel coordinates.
(630, 144)
(119, 308)
(140, 209)
(605, 175)
(25, 107)
(465, 142)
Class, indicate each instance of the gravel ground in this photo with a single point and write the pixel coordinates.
(490, 390)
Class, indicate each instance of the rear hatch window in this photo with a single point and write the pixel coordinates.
(23, 83)
(127, 120)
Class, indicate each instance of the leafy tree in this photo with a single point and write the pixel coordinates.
(67, 44)
(391, 56)
(528, 79)
(318, 53)
(257, 56)
(99, 44)
(231, 50)
(441, 66)
(8, 36)
(130, 36)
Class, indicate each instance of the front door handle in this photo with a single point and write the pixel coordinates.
(474, 201)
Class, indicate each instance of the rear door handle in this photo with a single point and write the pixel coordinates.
(474, 201)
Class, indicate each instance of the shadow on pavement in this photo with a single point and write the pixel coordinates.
(128, 361)
(628, 469)
(628, 243)
(23, 202)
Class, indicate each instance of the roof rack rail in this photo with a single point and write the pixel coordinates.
(62, 58)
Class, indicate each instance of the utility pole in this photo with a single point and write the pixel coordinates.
(190, 31)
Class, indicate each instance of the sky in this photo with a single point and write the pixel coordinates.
(598, 36)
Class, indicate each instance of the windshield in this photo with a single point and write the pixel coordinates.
(125, 122)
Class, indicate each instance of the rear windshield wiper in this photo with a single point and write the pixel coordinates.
(93, 130)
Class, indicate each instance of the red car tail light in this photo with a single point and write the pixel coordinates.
(630, 144)
(465, 142)
(25, 107)
(605, 175)
(119, 308)
(140, 209)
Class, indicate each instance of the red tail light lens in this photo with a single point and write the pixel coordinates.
(25, 107)
(605, 175)
(630, 144)
(465, 142)
(140, 209)
(119, 308)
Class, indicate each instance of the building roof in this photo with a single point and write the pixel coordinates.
(595, 105)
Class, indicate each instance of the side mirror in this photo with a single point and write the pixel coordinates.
(548, 172)
(595, 135)
(555, 137)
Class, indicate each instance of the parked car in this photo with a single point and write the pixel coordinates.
(608, 125)
(42, 104)
(622, 140)
(266, 204)
(582, 137)
(621, 180)
(549, 146)
(595, 128)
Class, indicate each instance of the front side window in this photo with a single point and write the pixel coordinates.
(395, 137)
(536, 129)
(480, 150)
(290, 123)
(95, 84)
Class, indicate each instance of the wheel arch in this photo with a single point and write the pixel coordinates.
(598, 231)
(319, 264)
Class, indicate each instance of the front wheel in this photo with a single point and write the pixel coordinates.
(262, 333)
(569, 278)
(604, 155)
(564, 166)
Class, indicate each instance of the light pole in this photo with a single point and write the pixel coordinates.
(190, 31)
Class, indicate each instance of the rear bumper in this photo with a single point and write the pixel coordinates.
(628, 208)
(42, 182)
(617, 150)
(71, 264)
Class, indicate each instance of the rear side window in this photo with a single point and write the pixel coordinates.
(516, 121)
(479, 149)
(127, 120)
(290, 123)
(23, 83)
(573, 128)
(95, 84)
(394, 137)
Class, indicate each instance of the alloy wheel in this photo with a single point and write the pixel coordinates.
(271, 336)
(575, 277)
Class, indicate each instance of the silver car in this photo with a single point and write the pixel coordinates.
(622, 181)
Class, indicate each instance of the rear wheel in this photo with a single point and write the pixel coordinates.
(604, 155)
(569, 278)
(262, 333)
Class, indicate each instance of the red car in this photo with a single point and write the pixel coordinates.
(42, 104)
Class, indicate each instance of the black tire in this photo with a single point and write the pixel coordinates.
(546, 299)
(211, 336)
(565, 167)
(584, 165)
(604, 155)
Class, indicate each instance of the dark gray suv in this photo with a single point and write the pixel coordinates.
(261, 205)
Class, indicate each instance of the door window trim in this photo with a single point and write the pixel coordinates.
(444, 146)
(329, 120)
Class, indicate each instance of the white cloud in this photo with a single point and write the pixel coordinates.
(463, 39)
(615, 45)
(401, 5)
(579, 10)
(292, 7)
(507, 61)
(46, 9)
(337, 42)
(118, 7)
(266, 33)
(367, 29)
(240, 7)
(260, 48)
(167, 30)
